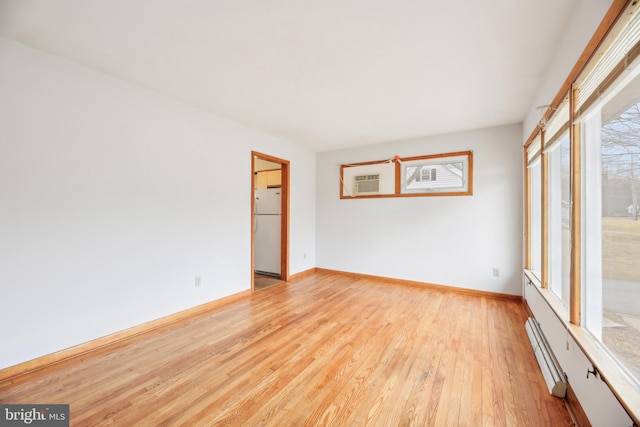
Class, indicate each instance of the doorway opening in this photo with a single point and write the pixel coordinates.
(269, 220)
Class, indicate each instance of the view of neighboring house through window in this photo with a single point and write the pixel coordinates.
(612, 247)
(426, 174)
(448, 174)
(431, 177)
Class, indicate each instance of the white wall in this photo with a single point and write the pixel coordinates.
(582, 23)
(453, 241)
(111, 204)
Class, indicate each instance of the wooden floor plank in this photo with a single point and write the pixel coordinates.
(326, 350)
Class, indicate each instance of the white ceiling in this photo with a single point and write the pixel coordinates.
(325, 74)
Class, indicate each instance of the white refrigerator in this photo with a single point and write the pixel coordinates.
(267, 231)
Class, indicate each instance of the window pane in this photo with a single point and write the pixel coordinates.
(612, 247)
(621, 236)
(535, 172)
(560, 220)
(442, 174)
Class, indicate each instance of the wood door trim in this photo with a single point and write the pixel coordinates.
(284, 215)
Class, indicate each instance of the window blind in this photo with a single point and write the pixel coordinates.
(533, 151)
(618, 49)
(558, 123)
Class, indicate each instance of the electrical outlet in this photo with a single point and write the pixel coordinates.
(198, 280)
(496, 272)
(304, 255)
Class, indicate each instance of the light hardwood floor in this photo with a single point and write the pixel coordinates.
(327, 350)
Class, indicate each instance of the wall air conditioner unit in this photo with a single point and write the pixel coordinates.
(553, 375)
(366, 185)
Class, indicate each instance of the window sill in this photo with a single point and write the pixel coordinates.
(559, 309)
(624, 388)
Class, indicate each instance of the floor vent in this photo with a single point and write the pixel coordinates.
(553, 375)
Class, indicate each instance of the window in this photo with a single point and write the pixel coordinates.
(592, 244)
(535, 173)
(448, 174)
(612, 229)
(559, 214)
(535, 207)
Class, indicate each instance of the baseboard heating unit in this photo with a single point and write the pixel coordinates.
(553, 375)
